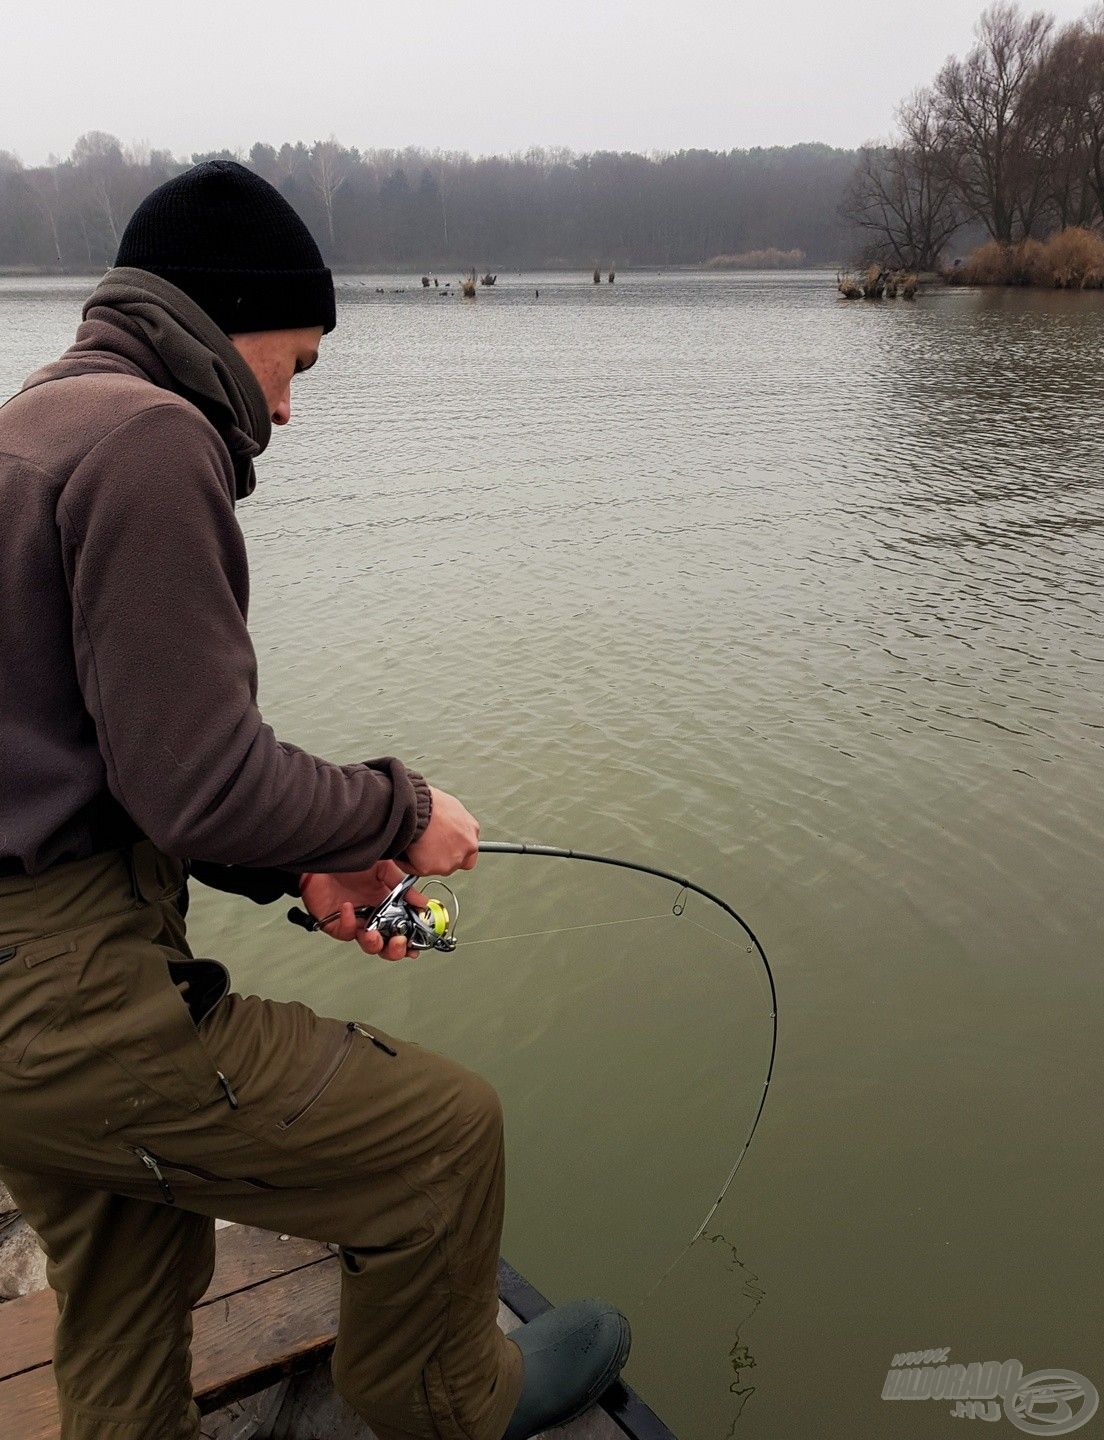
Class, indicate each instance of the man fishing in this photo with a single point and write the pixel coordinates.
(139, 1097)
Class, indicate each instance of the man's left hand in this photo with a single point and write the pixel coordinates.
(325, 894)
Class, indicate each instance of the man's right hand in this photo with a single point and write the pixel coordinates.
(449, 842)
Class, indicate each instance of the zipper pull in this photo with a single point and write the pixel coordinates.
(360, 1030)
(150, 1162)
(231, 1098)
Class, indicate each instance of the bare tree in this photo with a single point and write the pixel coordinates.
(902, 195)
(98, 158)
(1061, 94)
(46, 189)
(329, 167)
(990, 122)
(1093, 60)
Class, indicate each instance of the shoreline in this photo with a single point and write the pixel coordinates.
(18, 272)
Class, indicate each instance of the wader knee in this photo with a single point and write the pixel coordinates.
(480, 1120)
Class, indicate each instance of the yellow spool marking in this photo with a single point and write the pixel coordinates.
(439, 916)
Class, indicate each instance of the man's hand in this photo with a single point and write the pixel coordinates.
(449, 842)
(323, 894)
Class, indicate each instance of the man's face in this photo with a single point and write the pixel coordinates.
(275, 356)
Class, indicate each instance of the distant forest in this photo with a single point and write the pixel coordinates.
(421, 210)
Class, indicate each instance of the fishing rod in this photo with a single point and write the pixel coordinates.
(433, 926)
(499, 847)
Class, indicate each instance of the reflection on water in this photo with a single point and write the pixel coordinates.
(800, 599)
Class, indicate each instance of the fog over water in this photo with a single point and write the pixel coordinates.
(802, 600)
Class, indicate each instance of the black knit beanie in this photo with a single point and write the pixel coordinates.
(233, 243)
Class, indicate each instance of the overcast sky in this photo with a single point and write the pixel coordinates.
(487, 77)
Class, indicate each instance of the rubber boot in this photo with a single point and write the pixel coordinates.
(571, 1354)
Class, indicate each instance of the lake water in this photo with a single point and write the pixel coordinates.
(800, 599)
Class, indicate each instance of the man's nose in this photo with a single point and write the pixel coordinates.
(282, 414)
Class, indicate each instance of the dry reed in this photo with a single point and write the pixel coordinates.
(874, 282)
(848, 287)
(769, 259)
(1071, 260)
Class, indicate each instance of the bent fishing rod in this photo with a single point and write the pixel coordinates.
(433, 926)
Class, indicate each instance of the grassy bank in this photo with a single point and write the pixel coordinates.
(1071, 260)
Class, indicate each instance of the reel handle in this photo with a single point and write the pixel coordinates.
(308, 922)
(301, 917)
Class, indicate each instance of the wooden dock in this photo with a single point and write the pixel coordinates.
(263, 1334)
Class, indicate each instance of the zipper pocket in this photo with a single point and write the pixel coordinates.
(153, 1165)
(319, 1082)
(331, 1068)
(228, 1090)
(360, 1030)
(157, 1165)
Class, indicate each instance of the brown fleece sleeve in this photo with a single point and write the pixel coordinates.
(158, 574)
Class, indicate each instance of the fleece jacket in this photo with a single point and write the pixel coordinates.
(128, 681)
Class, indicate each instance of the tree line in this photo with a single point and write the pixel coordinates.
(1008, 141)
(428, 210)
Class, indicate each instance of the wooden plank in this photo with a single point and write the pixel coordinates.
(243, 1342)
(26, 1334)
(28, 1406)
(247, 1341)
(244, 1257)
(313, 1407)
(252, 1417)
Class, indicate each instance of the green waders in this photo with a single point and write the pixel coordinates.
(138, 1100)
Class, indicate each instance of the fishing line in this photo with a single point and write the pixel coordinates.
(499, 847)
(563, 929)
